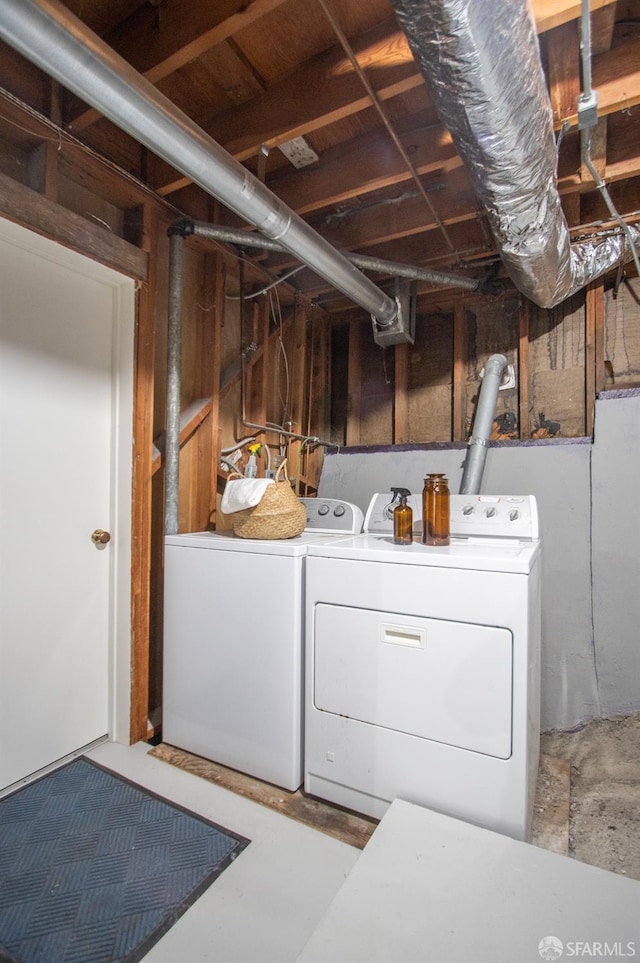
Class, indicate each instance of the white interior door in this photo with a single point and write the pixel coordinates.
(65, 437)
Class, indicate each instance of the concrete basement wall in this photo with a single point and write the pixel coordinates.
(616, 550)
(590, 642)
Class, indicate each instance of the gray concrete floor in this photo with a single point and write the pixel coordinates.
(604, 805)
(267, 904)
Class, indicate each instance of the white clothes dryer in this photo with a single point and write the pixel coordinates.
(234, 644)
(423, 666)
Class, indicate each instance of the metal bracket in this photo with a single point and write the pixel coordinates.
(403, 327)
(587, 110)
(508, 378)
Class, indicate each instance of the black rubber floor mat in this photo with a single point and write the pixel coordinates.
(94, 869)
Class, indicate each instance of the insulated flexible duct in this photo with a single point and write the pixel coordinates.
(481, 61)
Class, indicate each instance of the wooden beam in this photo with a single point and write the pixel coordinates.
(563, 47)
(286, 111)
(395, 217)
(99, 174)
(365, 164)
(24, 206)
(159, 42)
(553, 13)
(190, 420)
(616, 78)
(598, 150)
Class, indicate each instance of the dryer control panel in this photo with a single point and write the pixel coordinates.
(332, 516)
(500, 516)
(497, 516)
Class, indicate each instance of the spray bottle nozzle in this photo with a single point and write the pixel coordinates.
(401, 492)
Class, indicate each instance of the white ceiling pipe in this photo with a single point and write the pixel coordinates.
(481, 61)
(47, 34)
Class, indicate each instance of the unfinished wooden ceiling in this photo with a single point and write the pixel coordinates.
(385, 180)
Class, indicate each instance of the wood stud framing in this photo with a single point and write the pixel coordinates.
(359, 196)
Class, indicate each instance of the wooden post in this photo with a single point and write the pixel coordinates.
(141, 483)
(298, 386)
(354, 382)
(458, 401)
(594, 351)
(524, 426)
(401, 395)
(214, 266)
(319, 413)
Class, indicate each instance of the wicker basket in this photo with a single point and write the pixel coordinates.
(279, 513)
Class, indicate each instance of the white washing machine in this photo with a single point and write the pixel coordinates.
(423, 666)
(234, 644)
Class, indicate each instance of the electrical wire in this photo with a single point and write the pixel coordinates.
(274, 284)
(377, 104)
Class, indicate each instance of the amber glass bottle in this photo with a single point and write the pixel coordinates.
(403, 523)
(435, 510)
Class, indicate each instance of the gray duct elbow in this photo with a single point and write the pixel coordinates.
(482, 424)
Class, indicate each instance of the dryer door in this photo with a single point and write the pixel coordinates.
(445, 681)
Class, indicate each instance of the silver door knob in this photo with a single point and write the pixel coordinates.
(100, 537)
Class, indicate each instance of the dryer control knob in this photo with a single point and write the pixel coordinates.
(339, 511)
(514, 515)
(323, 510)
(468, 510)
(490, 512)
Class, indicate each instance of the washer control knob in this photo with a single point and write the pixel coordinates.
(323, 510)
(514, 515)
(490, 512)
(468, 510)
(339, 511)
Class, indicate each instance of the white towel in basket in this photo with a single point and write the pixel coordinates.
(241, 493)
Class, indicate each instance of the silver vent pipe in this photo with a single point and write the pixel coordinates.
(47, 34)
(482, 64)
(174, 381)
(482, 424)
(364, 261)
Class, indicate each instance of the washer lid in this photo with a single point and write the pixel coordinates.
(479, 554)
(228, 542)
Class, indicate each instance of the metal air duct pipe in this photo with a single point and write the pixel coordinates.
(47, 34)
(174, 358)
(245, 239)
(481, 61)
(482, 424)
